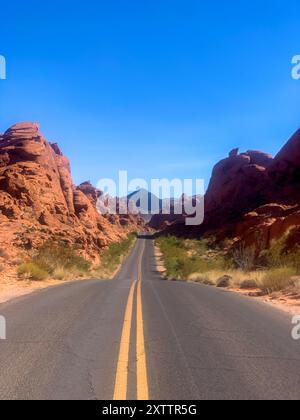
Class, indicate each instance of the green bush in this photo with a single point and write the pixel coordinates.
(112, 256)
(277, 256)
(175, 267)
(274, 257)
(185, 257)
(56, 260)
(32, 271)
(293, 258)
(53, 256)
(189, 260)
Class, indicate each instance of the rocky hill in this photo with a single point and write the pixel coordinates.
(253, 197)
(39, 202)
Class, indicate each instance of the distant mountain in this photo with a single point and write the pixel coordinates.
(144, 202)
(159, 212)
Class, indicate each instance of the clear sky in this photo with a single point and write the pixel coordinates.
(162, 88)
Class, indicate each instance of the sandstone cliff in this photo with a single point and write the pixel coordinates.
(252, 197)
(39, 202)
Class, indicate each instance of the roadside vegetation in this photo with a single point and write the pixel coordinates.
(239, 267)
(112, 258)
(59, 261)
(183, 258)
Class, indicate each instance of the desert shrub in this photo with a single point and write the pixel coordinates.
(278, 256)
(277, 279)
(32, 271)
(60, 273)
(175, 267)
(115, 250)
(171, 245)
(185, 257)
(57, 260)
(274, 256)
(53, 256)
(112, 256)
(244, 257)
(292, 259)
(197, 247)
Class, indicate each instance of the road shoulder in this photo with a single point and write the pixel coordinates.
(285, 301)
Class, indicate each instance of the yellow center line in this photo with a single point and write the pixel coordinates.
(140, 261)
(141, 367)
(120, 392)
(121, 383)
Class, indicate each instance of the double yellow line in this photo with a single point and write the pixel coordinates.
(121, 383)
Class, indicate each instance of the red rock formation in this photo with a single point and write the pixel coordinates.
(38, 201)
(90, 191)
(253, 198)
(284, 174)
(235, 187)
(279, 215)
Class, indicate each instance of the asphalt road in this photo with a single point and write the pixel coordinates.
(141, 337)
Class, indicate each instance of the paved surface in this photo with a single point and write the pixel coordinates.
(142, 337)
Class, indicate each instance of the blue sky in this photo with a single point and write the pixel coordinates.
(160, 88)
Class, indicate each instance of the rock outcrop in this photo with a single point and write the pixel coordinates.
(236, 187)
(276, 213)
(38, 201)
(253, 198)
(284, 174)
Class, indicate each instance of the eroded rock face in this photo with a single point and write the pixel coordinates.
(284, 174)
(38, 201)
(253, 198)
(236, 187)
(256, 198)
(90, 191)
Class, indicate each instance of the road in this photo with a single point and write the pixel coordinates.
(141, 337)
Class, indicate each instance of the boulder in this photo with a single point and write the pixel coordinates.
(224, 282)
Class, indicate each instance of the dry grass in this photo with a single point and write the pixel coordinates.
(60, 273)
(54, 260)
(32, 271)
(192, 260)
(62, 262)
(268, 281)
(278, 279)
(238, 277)
(57, 256)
